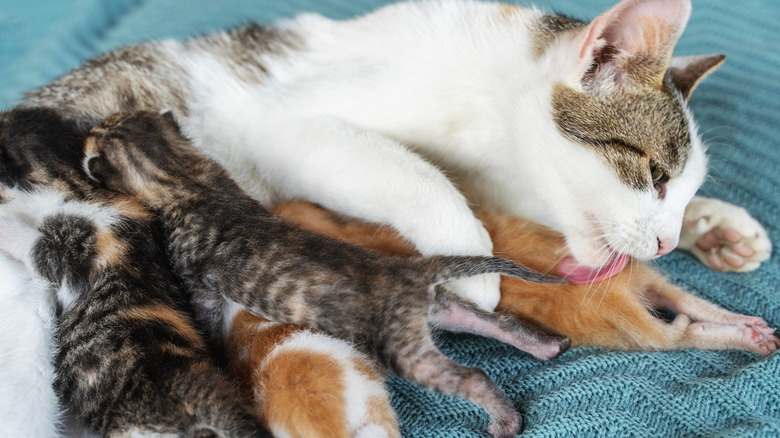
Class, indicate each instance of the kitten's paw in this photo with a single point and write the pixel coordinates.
(506, 427)
(482, 290)
(761, 340)
(723, 236)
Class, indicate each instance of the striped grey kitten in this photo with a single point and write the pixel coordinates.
(130, 360)
(233, 254)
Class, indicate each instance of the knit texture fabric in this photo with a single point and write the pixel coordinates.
(586, 391)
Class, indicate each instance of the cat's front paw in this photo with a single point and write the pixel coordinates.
(482, 290)
(723, 236)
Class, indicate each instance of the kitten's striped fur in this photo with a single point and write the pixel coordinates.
(229, 250)
(130, 360)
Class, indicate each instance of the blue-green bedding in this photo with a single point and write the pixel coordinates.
(586, 391)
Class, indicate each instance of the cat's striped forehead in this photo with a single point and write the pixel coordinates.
(628, 129)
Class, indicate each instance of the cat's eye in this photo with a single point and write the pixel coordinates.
(659, 178)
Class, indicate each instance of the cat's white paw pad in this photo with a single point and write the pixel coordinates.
(724, 237)
(482, 290)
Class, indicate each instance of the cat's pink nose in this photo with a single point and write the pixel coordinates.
(664, 247)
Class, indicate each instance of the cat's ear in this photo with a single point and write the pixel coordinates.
(631, 43)
(168, 116)
(687, 71)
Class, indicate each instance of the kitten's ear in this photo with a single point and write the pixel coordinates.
(168, 115)
(687, 71)
(631, 43)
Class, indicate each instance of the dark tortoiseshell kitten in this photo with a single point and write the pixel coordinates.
(130, 360)
(233, 254)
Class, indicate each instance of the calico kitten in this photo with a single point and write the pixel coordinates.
(306, 384)
(130, 360)
(580, 126)
(233, 254)
(616, 313)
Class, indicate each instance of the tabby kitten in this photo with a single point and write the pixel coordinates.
(130, 360)
(620, 312)
(232, 254)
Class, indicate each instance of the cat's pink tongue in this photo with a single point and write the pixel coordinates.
(576, 273)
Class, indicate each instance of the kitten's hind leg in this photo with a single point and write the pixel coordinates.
(708, 326)
(723, 236)
(449, 312)
(422, 363)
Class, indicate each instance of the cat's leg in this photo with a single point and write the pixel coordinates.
(448, 312)
(420, 362)
(366, 175)
(708, 326)
(723, 236)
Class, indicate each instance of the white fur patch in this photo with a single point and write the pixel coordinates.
(28, 404)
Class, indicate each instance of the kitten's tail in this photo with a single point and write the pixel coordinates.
(447, 268)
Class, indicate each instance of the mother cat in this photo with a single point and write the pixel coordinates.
(581, 127)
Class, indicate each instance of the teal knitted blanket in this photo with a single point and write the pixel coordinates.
(586, 391)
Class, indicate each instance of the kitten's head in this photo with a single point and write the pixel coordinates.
(140, 153)
(627, 156)
(38, 148)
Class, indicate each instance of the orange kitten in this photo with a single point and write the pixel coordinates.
(616, 313)
(305, 384)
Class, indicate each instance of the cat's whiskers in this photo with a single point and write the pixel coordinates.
(609, 280)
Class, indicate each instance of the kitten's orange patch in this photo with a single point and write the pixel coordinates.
(381, 413)
(132, 208)
(252, 337)
(366, 369)
(181, 323)
(177, 350)
(371, 236)
(110, 251)
(90, 147)
(303, 393)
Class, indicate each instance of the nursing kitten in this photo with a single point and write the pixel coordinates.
(28, 403)
(582, 127)
(306, 384)
(129, 360)
(620, 312)
(233, 254)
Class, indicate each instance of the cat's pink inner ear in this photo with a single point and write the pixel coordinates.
(638, 28)
(647, 26)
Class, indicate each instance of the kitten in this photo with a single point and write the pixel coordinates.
(306, 384)
(583, 127)
(620, 312)
(28, 403)
(233, 254)
(129, 360)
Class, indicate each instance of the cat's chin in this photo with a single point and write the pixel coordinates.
(578, 273)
